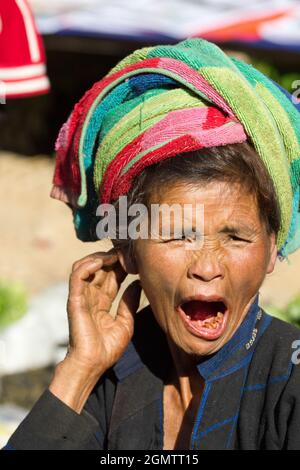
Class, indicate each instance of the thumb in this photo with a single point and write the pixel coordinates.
(129, 304)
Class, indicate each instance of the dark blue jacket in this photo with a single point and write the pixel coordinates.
(251, 398)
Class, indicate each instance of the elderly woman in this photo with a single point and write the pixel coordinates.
(203, 366)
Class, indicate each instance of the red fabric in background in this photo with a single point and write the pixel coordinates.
(22, 55)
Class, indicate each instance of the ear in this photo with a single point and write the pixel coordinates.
(273, 254)
(127, 260)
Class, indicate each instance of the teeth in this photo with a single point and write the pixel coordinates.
(213, 324)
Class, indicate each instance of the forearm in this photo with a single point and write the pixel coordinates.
(57, 420)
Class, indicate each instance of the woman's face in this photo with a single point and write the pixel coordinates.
(200, 291)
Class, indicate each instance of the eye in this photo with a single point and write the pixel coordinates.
(179, 239)
(187, 238)
(235, 238)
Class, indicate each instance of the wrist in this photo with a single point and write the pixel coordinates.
(72, 383)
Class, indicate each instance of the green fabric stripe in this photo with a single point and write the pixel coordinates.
(136, 56)
(283, 123)
(141, 155)
(115, 83)
(113, 117)
(196, 53)
(269, 118)
(262, 131)
(253, 76)
(82, 198)
(141, 118)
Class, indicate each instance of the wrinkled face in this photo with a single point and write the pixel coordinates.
(200, 291)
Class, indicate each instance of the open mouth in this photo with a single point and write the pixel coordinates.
(203, 318)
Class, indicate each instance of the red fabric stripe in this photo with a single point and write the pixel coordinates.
(67, 172)
(109, 192)
(114, 185)
(214, 118)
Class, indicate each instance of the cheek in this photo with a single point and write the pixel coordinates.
(247, 267)
(160, 270)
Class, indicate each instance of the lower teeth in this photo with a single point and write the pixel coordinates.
(212, 324)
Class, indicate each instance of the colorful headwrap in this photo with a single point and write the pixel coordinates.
(165, 100)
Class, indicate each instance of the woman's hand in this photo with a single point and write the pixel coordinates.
(97, 340)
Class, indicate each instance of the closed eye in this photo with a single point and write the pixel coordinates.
(184, 237)
(175, 239)
(239, 239)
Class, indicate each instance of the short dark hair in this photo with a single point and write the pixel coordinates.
(232, 163)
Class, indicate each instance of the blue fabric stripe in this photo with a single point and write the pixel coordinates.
(230, 435)
(216, 426)
(200, 412)
(266, 319)
(207, 366)
(272, 380)
(146, 81)
(232, 430)
(243, 363)
(246, 360)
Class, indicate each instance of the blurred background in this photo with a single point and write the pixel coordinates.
(79, 41)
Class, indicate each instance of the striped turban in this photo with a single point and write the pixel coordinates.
(164, 100)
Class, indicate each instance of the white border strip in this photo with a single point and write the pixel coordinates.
(25, 71)
(37, 84)
(30, 30)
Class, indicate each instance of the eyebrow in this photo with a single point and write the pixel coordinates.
(237, 229)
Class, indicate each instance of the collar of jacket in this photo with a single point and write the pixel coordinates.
(149, 347)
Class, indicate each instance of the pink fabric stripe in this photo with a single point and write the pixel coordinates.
(195, 78)
(213, 118)
(210, 117)
(113, 187)
(181, 144)
(67, 173)
(175, 124)
(71, 183)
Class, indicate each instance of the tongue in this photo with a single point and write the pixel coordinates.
(198, 310)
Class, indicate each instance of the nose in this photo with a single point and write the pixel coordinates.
(205, 265)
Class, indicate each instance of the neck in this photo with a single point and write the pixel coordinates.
(184, 375)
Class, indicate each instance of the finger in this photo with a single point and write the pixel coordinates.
(110, 262)
(129, 304)
(110, 269)
(107, 256)
(79, 277)
(109, 281)
(91, 271)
